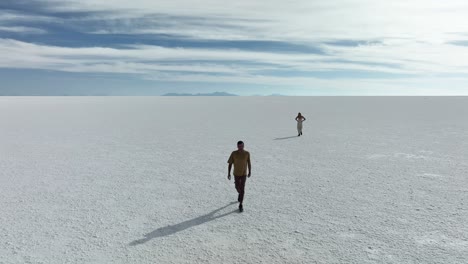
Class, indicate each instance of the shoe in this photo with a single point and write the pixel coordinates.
(241, 208)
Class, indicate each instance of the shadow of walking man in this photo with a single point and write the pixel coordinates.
(172, 229)
(283, 138)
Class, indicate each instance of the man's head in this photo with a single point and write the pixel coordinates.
(240, 145)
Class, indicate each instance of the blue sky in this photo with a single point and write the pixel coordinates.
(302, 47)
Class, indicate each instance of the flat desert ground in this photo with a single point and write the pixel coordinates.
(144, 180)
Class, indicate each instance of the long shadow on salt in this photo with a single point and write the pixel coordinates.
(286, 138)
(172, 229)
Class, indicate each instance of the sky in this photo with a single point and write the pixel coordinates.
(246, 47)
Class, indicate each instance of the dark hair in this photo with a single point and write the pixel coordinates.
(240, 142)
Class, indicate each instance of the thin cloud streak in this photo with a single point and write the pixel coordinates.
(29, 30)
(420, 59)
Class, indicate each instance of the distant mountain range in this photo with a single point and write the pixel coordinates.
(214, 94)
(200, 94)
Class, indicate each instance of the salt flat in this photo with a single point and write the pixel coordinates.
(143, 180)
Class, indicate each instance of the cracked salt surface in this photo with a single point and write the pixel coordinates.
(143, 180)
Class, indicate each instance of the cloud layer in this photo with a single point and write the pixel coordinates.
(402, 47)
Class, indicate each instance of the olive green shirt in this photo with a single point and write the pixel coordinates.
(240, 161)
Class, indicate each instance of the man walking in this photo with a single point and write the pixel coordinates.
(241, 160)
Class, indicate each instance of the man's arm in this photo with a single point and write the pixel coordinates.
(230, 161)
(249, 165)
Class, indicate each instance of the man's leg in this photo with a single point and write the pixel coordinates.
(237, 182)
(240, 185)
(242, 181)
(242, 188)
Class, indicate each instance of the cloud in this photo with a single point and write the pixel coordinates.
(459, 42)
(181, 65)
(19, 29)
(396, 58)
(13, 22)
(18, 17)
(257, 42)
(296, 21)
(145, 59)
